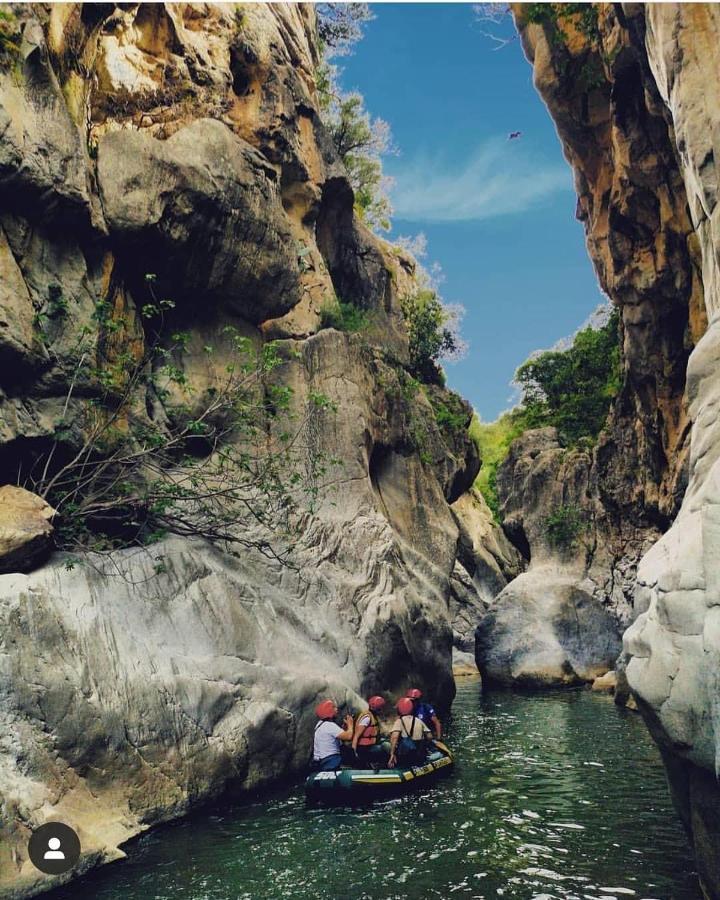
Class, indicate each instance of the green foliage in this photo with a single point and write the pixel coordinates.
(9, 37)
(584, 16)
(493, 441)
(360, 142)
(554, 14)
(449, 417)
(564, 526)
(148, 454)
(343, 316)
(340, 25)
(431, 334)
(572, 389)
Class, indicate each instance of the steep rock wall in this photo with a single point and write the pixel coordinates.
(633, 92)
(184, 141)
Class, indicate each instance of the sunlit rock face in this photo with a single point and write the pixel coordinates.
(183, 141)
(486, 562)
(642, 138)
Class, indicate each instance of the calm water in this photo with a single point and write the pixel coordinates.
(554, 796)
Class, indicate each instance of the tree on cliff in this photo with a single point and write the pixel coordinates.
(572, 388)
(148, 454)
(360, 141)
(340, 25)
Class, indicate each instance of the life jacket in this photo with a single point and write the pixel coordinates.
(369, 736)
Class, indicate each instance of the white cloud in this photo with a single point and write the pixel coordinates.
(499, 179)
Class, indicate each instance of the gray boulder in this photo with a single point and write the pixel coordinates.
(545, 630)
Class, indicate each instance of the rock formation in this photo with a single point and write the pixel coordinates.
(486, 561)
(182, 144)
(633, 91)
(25, 529)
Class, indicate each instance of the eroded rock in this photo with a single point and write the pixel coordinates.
(545, 631)
(202, 211)
(25, 529)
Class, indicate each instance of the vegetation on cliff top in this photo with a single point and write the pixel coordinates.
(360, 141)
(570, 389)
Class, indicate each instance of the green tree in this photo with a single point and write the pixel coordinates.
(432, 332)
(149, 455)
(572, 389)
(360, 143)
(340, 25)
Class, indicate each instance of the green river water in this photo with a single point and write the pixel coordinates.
(557, 795)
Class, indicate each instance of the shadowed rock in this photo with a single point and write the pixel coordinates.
(202, 211)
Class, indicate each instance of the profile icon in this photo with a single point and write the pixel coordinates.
(54, 851)
(54, 848)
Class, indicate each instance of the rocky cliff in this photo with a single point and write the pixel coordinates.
(632, 90)
(181, 144)
(592, 71)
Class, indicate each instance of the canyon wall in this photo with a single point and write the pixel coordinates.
(633, 92)
(181, 145)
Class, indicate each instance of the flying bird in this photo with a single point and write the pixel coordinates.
(513, 135)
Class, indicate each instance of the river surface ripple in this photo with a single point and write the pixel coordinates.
(555, 795)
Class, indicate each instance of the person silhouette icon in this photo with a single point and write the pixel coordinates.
(54, 848)
(54, 852)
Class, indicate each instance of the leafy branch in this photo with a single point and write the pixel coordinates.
(150, 455)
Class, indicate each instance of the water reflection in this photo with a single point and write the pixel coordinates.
(554, 796)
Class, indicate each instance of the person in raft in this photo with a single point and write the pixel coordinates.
(366, 737)
(425, 712)
(327, 749)
(410, 736)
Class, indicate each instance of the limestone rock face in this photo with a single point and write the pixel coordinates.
(485, 562)
(616, 133)
(674, 669)
(43, 159)
(579, 569)
(202, 211)
(184, 141)
(641, 136)
(25, 529)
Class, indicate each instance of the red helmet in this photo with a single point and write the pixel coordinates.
(414, 693)
(326, 710)
(404, 706)
(376, 703)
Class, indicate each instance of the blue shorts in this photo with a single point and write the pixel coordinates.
(328, 763)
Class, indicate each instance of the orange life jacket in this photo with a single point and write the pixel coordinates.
(370, 735)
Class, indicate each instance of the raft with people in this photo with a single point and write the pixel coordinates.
(355, 763)
(366, 784)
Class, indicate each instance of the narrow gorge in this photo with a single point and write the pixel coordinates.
(234, 482)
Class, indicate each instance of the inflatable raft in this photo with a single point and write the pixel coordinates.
(345, 785)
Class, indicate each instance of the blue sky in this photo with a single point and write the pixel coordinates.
(499, 215)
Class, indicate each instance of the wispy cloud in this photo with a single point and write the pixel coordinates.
(499, 179)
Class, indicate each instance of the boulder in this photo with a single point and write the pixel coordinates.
(25, 529)
(545, 630)
(605, 683)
